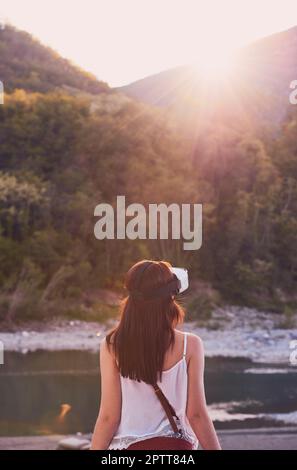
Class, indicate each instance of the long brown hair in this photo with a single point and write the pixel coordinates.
(146, 327)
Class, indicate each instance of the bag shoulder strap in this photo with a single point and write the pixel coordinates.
(169, 410)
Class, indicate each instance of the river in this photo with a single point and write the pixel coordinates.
(59, 392)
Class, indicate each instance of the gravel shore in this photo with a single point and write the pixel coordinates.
(232, 332)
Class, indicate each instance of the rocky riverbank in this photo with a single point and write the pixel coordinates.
(231, 332)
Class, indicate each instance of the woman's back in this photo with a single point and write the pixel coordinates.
(138, 404)
(142, 415)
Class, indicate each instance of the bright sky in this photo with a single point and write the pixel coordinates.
(123, 40)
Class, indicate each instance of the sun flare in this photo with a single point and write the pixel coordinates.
(215, 63)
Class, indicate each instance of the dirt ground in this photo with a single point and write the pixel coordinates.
(244, 439)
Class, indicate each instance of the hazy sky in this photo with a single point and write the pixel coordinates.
(123, 40)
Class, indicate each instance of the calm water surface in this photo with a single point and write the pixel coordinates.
(59, 392)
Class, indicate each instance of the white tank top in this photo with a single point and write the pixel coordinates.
(143, 416)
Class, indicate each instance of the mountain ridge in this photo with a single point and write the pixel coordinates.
(28, 64)
(265, 69)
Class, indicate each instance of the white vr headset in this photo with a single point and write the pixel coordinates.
(183, 277)
(175, 286)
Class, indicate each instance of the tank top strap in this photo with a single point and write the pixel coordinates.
(185, 344)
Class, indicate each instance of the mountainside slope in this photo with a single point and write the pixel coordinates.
(258, 88)
(26, 63)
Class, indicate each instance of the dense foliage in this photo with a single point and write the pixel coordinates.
(61, 155)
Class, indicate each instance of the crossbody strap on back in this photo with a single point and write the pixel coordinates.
(168, 408)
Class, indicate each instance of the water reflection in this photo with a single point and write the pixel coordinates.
(58, 392)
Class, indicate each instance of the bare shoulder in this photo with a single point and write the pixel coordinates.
(105, 348)
(107, 357)
(107, 343)
(195, 345)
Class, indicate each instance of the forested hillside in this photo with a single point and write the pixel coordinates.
(61, 155)
(27, 64)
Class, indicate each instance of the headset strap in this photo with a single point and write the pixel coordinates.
(170, 288)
